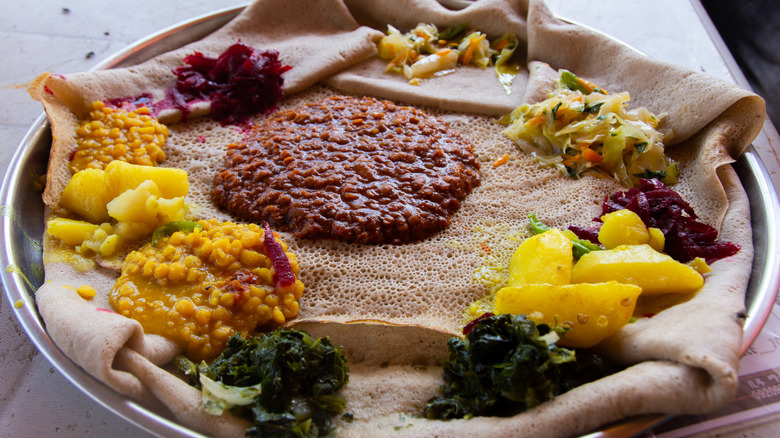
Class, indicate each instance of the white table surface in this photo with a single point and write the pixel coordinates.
(41, 36)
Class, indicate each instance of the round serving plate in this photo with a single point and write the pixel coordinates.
(22, 228)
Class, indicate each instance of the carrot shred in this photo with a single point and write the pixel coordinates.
(444, 52)
(403, 56)
(473, 43)
(588, 86)
(571, 160)
(538, 120)
(592, 156)
(502, 44)
(501, 161)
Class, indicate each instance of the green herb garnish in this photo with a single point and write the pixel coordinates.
(172, 227)
(555, 110)
(592, 108)
(579, 247)
(640, 147)
(572, 82)
(452, 31)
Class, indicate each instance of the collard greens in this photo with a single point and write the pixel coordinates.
(507, 364)
(299, 378)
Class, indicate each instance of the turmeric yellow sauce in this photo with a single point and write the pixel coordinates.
(201, 287)
(79, 262)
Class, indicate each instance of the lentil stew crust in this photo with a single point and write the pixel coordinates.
(361, 171)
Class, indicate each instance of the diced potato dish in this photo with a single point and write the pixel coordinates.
(593, 312)
(121, 176)
(138, 198)
(656, 273)
(624, 227)
(544, 258)
(71, 232)
(86, 196)
(595, 296)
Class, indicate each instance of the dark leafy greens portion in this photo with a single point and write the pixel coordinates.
(299, 377)
(507, 364)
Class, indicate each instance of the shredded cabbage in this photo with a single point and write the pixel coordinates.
(218, 397)
(425, 52)
(581, 128)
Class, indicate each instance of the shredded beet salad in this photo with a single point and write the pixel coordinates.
(239, 83)
(663, 208)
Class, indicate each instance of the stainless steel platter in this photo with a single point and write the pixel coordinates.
(22, 228)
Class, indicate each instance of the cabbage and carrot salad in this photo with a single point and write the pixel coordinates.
(424, 52)
(582, 128)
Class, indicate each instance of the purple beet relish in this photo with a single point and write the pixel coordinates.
(239, 83)
(131, 103)
(663, 208)
(467, 329)
(590, 234)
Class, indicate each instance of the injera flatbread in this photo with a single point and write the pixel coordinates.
(395, 306)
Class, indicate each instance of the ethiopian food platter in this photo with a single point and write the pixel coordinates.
(392, 218)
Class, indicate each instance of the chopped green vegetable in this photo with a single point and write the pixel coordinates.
(506, 71)
(572, 82)
(592, 108)
(172, 227)
(507, 364)
(218, 397)
(668, 176)
(555, 110)
(452, 32)
(294, 377)
(579, 247)
(190, 369)
(537, 226)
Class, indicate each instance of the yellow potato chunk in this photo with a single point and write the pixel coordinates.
(134, 205)
(170, 209)
(700, 265)
(144, 204)
(654, 272)
(86, 196)
(89, 191)
(657, 239)
(544, 258)
(592, 311)
(622, 227)
(121, 176)
(71, 232)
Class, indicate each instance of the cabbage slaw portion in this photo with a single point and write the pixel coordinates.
(424, 52)
(582, 128)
